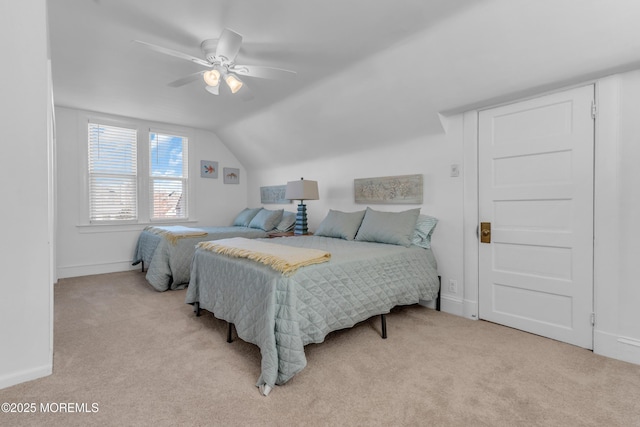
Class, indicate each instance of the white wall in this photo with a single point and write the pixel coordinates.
(617, 210)
(26, 296)
(430, 156)
(84, 249)
(454, 202)
(629, 143)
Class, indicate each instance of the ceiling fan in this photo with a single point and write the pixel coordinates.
(220, 55)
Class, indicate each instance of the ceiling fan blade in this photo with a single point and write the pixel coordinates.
(229, 44)
(264, 72)
(214, 90)
(175, 53)
(187, 79)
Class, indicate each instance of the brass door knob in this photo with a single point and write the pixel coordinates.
(485, 232)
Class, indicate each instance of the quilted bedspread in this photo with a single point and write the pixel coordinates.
(282, 314)
(169, 264)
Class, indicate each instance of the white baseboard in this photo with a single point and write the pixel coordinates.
(24, 376)
(451, 305)
(91, 269)
(471, 309)
(616, 347)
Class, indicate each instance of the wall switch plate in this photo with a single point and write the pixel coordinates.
(455, 170)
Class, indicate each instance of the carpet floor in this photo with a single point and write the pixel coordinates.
(126, 355)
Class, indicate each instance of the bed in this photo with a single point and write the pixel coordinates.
(167, 251)
(281, 313)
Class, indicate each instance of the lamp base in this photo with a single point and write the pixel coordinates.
(301, 220)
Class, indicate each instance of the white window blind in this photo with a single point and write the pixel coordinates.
(112, 173)
(168, 176)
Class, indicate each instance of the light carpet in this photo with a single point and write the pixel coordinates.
(144, 359)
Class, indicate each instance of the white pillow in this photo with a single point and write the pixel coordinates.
(288, 221)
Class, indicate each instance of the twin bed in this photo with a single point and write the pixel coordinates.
(167, 254)
(167, 251)
(282, 312)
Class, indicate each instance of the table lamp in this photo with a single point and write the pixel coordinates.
(301, 190)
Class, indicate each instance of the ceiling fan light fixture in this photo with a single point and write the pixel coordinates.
(212, 77)
(234, 83)
(220, 64)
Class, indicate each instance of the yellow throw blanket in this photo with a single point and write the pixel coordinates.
(282, 258)
(174, 232)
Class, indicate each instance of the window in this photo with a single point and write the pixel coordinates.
(168, 176)
(112, 173)
(135, 175)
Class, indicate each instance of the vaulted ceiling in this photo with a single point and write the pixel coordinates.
(370, 72)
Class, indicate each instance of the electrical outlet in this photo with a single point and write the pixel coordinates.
(455, 170)
(453, 286)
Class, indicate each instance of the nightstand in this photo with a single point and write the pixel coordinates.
(287, 234)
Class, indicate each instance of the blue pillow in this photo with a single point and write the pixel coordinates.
(244, 218)
(395, 228)
(422, 233)
(343, 225)
(266, 220)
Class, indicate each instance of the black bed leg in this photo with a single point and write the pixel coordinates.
(438, 297)
(383, 320)
(196, 308)
(142, 264)
(230, 332)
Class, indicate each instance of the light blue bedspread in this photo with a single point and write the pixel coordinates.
(282, 314)
(168, 265)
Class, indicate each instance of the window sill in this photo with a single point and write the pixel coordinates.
(126, 227)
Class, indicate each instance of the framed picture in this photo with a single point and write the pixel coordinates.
(404, 189)
(208, 169)
(273, 194)
(231, 175)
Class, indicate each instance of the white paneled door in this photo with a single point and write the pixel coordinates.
(536, 199)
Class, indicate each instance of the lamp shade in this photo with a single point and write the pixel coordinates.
(212, 77)
(234, 83)
(302, 190)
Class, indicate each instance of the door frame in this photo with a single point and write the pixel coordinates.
(551, 298)
(602, 160)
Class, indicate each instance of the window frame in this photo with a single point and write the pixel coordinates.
(150, 178)
(143, 130)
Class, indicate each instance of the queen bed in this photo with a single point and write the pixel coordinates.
(283, 312)
(167, 251)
